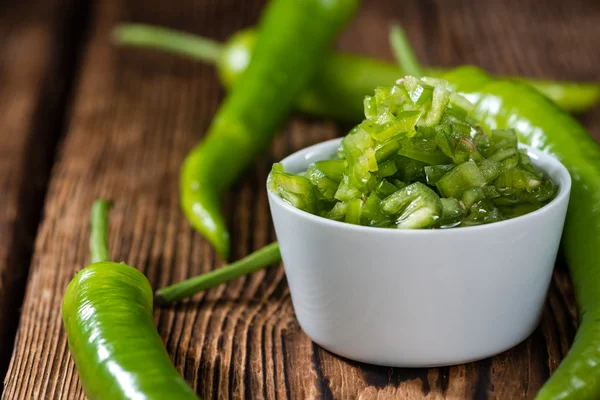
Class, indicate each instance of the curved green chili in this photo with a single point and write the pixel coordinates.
(293, 36)
(107, 313)
(332, 94)
(539, 123)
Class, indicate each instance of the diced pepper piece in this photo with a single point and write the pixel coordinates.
(452, 212)
(346, 191)
(385, 188)
(466, 150)
(460, 105)
(499, 140)
(482, 212)
(428, 157)
(399, 184)
(325, 206)
(483, 142)
(441, 97)
(444, 142)
(460, 178)
(503, 154)
(325, 186)
(410, 170)
(415, 206)
(456, 145)
(371, 213)
(407, 120)
(490, 169)
(433, 173)
(525, 162)
(353, 211)
(402, 125)
(359, 169)
(503, 138)
(340, 153)
(490, 192)
(370, 105)
(356, 142)
(387, 150)
(541, 194)
(277, 167)
(338, 212)
(517, 178)
(418, 92)
(333, 169)
(387, 168)
(511, 161)
(472, 196)
(295, 189)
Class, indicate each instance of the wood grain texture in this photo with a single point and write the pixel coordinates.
(35, 58)
(136, 114)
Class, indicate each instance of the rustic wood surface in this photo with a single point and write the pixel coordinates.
(36, 60)
(130, 116)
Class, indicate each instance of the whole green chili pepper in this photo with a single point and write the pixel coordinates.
(107, 313)
(332, 94)
(540, 124)
(294, 35)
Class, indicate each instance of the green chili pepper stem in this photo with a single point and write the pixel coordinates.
(361, 74)
(155, 37)
(99, 231)
(403, 51)
(262, 258)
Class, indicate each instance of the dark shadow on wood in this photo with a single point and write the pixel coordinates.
(49, 119)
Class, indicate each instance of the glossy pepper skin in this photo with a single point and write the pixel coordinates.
(539, 123)
(107, 314)
(330, 93)
(293, 36)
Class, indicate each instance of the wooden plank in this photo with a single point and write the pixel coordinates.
(137, 113)
(35, 60)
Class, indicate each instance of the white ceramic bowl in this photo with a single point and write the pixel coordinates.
(418, 298)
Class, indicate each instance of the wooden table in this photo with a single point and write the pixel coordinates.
(80, 119)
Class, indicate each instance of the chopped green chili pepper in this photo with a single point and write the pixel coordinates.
(459, 179)
(452, 212)
(407, 123)
(353, 211)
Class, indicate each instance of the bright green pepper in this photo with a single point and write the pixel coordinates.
(332, 95)
(293, 36)
(107, 313)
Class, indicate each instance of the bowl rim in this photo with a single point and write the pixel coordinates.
(564, 190)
